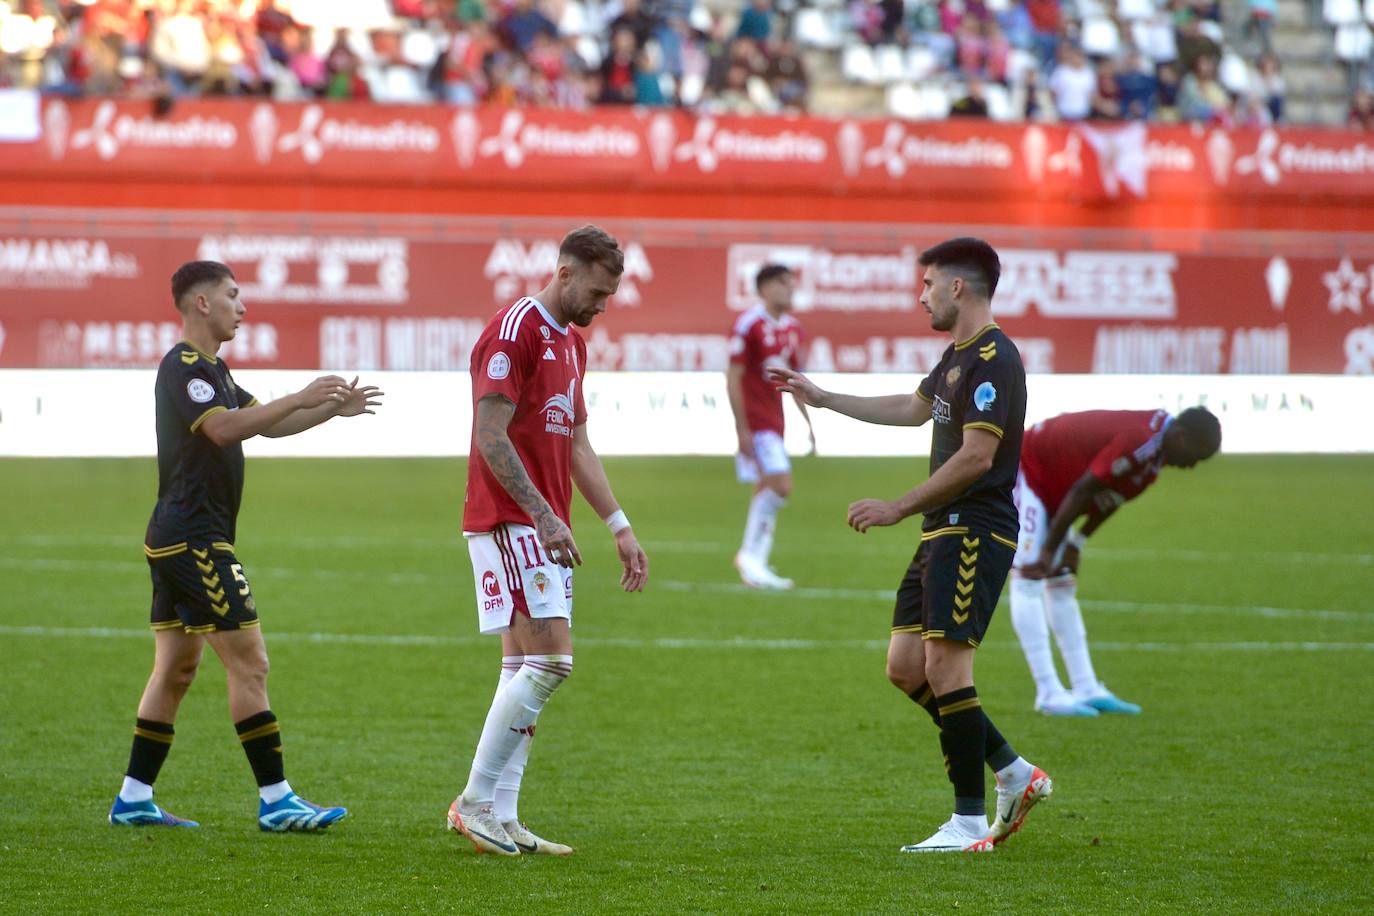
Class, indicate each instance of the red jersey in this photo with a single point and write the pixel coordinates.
(760, 341)
(1121, 448)
(527, 357)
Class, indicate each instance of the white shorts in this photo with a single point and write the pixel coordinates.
(1035, 524)
(513, 574)
(771, 458)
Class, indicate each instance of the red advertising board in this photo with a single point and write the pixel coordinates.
(91, 289)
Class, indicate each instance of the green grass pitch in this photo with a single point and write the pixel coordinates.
(715, 750)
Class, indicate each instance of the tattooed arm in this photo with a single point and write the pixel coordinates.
(494, 414)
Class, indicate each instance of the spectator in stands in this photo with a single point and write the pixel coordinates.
(1262, 14)
(1201, 97)
(343, 67)
(637, 20)
(226, 54)
(1048, 24)
(866, 20)
(1361, 114)
(1267, 84)
(181, 48)
(272, 23)
(619, 70)
(1016, 24)
(1030, 99)
(1250, 111)
(524, 21)
(1167, 110)
(649, 77)
(1073, 84)
(1106, 99)
(1139, 87)
(786, 73)
(1193, 42)
(756, 21)
(302, 63)
(973, 103)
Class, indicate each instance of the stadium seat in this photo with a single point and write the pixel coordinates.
(998, 98)
(921, 63)
(918, 103)
(1100, 37)
(891, 66)
(1369, 11)
(1341, 12)
(1233, 73)
(419, 48)
(1135, 9)
(858, 64)
(1354, 42)
(816, 28)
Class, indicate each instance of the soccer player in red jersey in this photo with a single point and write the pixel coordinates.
(1074, 465)
(529, 446)
(765, 336)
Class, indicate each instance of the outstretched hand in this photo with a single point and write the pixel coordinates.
(796, 384)
(870, 513)
(327, 389)
(360, 400)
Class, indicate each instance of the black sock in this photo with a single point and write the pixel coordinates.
(261, 739)
(996, 750)
(963, 736)
(152, 742)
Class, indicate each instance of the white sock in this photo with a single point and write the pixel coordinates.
(1028, 619)
(1066, 619)
(275, 792)
(511, 718)
(758, 529)
(508, 783)
(135, 791)
(1018, 772)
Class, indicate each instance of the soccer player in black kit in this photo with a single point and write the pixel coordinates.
(977, 397)
(200, 592)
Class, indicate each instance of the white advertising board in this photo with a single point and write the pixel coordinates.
(110, 412)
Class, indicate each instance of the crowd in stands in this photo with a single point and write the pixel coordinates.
(558, 53)
(1159, 60)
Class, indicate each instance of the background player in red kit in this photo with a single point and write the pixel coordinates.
(1074, 465)
(764, 337)
(529, 445)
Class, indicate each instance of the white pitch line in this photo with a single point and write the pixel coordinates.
(738, 642)
(459, 580)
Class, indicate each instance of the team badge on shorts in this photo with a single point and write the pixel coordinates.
(541, 582)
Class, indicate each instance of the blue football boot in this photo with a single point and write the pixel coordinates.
(293, 813)
(144, 814)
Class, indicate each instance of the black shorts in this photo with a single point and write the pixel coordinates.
(952, 585)
(200, 588)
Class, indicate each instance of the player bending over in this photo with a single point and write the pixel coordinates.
(200, 592)
(977, 397)
(529, 446)
(1074, 465)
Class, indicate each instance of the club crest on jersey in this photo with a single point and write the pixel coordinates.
(559, 410)
(541, 582)
(940, 410)
(498, 367)
(200, 391)
(984, 396)
(952, 376)
(544, 331)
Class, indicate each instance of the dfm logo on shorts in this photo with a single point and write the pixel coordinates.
(492, 589)
(559, 411)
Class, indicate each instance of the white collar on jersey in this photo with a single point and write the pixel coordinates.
(547, 317)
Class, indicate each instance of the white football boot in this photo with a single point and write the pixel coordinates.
(953, 837)
(530, 844)
(1064, 704)
(1014, 802)
(480, 826)
(757, 575)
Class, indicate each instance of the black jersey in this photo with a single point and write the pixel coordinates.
(199, 483)
(978, 384)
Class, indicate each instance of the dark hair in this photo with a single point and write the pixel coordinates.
(1203, 428)
(193, 273)
(769, 272)
(590, 245)
(973, 258)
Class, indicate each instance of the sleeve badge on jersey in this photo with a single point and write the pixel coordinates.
(1121, 466)
(984, 396)
(200, 391)
(498, 367)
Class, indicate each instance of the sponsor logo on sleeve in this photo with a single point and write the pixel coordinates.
(984, 396)
(200, 391)
(498, 367)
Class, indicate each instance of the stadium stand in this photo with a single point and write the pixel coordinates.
(1228, 62)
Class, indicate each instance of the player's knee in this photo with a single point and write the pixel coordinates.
(781, 485)
(179, 677)
(903, 676)
(547, 672)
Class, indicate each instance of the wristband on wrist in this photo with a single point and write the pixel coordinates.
(617, 521)
(1075, 539)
